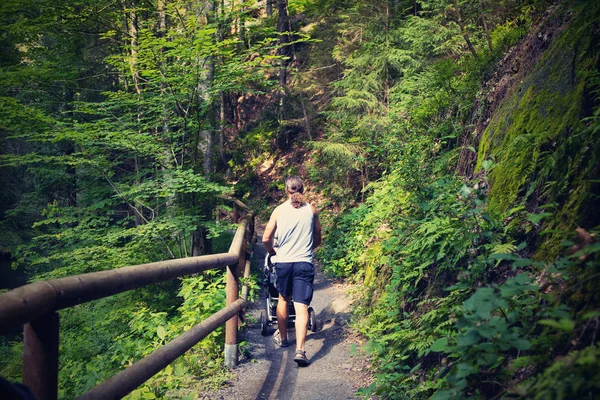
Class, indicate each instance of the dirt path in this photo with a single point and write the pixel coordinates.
(267, 372)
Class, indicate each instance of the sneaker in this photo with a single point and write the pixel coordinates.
(300, 358)
(279, 341)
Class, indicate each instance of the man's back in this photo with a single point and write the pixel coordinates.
(294, 233)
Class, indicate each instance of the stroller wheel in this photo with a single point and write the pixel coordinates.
(263, 323)
(312, 320)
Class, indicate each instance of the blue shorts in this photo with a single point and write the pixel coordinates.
(296, 279)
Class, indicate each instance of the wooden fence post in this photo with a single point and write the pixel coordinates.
(232, 294)
(40, 356)
(235, 214)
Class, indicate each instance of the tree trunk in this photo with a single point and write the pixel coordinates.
(132, 29)
(386, 95)
(242, 22)
(71, 187)
(464, 31)
(199, 242)
(285, 51)
(306, 120)
(162, 32)
(162, 18)
(269, 8)
(486, 32)
(222, 98)
(207, 132)
(138, 211)
(222, 130)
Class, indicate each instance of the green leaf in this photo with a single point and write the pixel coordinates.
(161, 332)
(439, 345)
(504, 256)
(470, 338)
(465, 190)
(522, 262)
(515, 210)
(590, 315)
(482, 302)
(444, 395)
(487, 164)
(535, 218)
(463, 370)
(517, 285)
(563, 324)
(522, 344)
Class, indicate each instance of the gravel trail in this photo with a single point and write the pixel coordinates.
(337, 367)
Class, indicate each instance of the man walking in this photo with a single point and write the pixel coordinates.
(296, 227)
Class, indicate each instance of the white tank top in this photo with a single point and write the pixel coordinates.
(294, 233)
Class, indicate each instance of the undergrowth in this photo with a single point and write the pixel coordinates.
(454, 307)
(481, 286)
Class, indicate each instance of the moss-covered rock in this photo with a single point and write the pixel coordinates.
(535, 136)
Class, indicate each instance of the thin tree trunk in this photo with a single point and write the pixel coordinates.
(285, 53)
(71, 188)
(170, 156)
(199, 241)
(464, 31)
(242, 28)
(132, 25)
(387, 46)
(306, 120)
(206, 134)
(222, 97)
(162, 32)
(222, 129)
(486, 32)
(284, 38)
(269, 8)
(139, 217)
(132, 29)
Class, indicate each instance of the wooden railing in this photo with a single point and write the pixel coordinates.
(35, 306)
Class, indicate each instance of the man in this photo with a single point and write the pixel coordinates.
(296, 227)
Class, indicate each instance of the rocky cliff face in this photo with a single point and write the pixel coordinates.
(539, 129)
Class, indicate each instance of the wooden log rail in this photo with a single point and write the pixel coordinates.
(35, 306)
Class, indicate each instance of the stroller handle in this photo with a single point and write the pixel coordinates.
(269, 267)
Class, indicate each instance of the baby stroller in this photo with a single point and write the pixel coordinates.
(270, 316)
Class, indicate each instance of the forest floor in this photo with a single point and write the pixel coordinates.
(339, 366)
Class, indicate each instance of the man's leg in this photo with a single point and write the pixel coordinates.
(301, 324)
(284, 287)
(282, 316)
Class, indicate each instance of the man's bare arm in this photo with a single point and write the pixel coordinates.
(270, 233)
(316, 229)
